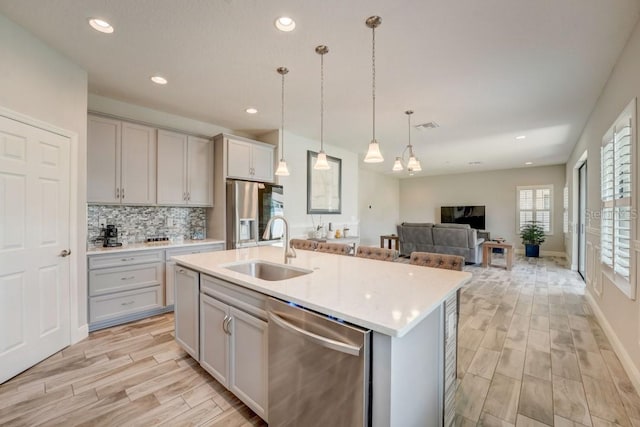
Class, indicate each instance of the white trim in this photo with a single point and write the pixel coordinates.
(618, 348)
(79, 250)
(559, 254)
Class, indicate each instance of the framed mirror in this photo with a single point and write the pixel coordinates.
(324, 187)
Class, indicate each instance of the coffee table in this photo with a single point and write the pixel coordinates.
(487, 250)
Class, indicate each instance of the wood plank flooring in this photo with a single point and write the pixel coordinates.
(530, 354)
(129, 375)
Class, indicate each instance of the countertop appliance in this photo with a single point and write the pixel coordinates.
(250, 205)
(110, 239)
(319, 369)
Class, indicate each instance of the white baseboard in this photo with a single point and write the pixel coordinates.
(79, 334)
(546, 253)
(618, 348)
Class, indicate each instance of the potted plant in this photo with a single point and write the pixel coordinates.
(532, 235)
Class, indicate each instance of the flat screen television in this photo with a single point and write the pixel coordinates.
(472, 215)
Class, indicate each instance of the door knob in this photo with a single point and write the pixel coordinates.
(65, 253)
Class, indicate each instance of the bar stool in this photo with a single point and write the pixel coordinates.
(428, 259)
(307, 245)
(380, 254)
(334, 248)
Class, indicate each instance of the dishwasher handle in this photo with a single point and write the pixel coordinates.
(318, 339)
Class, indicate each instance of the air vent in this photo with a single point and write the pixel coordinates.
(428, 125)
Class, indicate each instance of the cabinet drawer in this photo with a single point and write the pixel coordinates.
(124, 303)
(194, 250)
(116, 279)
(245, 299)
(127, 258)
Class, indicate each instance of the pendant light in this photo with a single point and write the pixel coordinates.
(282, 170)
(413, 164)
(373, 154)
(321, 162)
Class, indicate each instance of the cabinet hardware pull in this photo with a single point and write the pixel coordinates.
(117, 193)
(127, 259)
(127, 303)
(226, 323)
(128, 278)
(181, 270)
(65, 253)
(189, 195)
(122, 192)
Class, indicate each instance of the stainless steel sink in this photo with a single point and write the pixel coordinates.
(267, 270)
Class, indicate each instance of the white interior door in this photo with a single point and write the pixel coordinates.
(34, 232)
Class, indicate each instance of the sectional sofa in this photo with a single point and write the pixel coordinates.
(454, 239)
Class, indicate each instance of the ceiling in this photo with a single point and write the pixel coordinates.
(485, 71)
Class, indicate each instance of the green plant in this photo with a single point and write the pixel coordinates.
(532, 234)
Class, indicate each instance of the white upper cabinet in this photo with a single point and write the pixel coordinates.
(121, 162)
(250, 160)
(185, 170)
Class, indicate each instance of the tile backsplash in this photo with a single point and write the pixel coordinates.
(136, 223)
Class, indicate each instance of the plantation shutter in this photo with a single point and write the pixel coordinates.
(535, 204)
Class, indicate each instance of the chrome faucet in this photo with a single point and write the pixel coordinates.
(289, 252)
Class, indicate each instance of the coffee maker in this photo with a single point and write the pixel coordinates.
(110, 237)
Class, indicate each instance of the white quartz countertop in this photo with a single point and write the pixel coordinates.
(150, 246)
(386, 297)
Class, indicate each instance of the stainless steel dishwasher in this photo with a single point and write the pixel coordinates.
(318, 369)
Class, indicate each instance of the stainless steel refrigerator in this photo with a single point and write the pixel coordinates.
(250, 205)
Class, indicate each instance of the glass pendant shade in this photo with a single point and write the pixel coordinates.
(321, 162)
(417, 167)
(412, 163)
(397, 165)
(282, 170)
(373, 154)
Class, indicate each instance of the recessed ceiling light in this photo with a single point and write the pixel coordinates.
(159, 80)
(286, 24)
(251, 110)
(521, 137)
(101, 25)
(475, 163)
(528, 163)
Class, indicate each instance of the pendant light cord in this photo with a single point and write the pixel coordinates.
(321, 102)
(282, 122)
(373, 86)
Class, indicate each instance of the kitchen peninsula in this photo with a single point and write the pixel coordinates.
(409, 310)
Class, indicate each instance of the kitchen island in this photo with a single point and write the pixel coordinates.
(411, 311)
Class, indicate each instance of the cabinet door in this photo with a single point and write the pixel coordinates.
(172, 168)
(262, 158)
(169, 283)
(138, 170)
(214, 339)
(187, 291)
(248, 364)
(200, 172)
(103, 160)
(239, 159)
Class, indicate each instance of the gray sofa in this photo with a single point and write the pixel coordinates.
(454, 239)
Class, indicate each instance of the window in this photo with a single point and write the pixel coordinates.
(617, 201)
(535, 203)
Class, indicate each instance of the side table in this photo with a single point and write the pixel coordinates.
(389, 238)
(487, 249)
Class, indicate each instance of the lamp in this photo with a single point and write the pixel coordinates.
(373, 153)
(413, 164)
(282, 170)
(321, 163)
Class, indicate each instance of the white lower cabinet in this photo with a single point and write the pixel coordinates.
(187, 283)
(233, 346)
(170, 266)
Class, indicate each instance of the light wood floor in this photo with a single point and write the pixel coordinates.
(133, 374)
(530, 354)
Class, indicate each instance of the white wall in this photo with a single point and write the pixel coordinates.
(619, 312)
(421, 199)
(379, 206)
(295, 185)
(43, 84)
